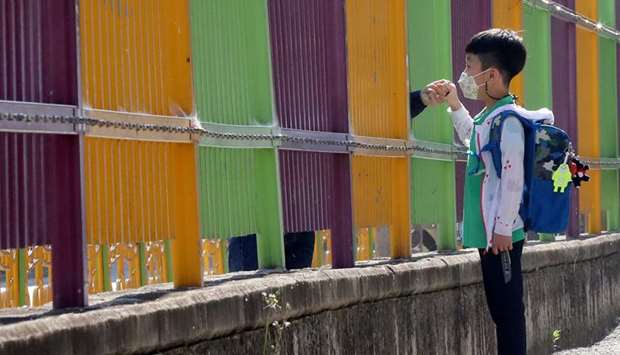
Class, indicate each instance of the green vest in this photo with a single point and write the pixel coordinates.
(474, 235)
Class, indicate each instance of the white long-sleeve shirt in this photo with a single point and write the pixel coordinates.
(500, 199)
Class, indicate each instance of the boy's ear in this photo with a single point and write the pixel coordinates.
(495, 74)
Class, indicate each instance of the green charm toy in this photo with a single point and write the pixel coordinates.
(562, 177)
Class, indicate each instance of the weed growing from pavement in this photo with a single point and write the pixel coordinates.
(274, 326)
(556, 339)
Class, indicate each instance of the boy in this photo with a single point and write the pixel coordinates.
(491, 204)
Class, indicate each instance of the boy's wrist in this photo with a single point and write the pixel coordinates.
(455, 106)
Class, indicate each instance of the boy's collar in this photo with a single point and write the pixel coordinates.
(506, 100)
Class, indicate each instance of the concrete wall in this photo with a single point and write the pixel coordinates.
(433, 305)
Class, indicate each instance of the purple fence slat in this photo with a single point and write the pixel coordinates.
(40, 203)
(564, 78)
(64, 221)
(468, 18)
(38, 51)
(309, 64)
(307, 185)
(563, 56)
(316, 195)
(23, 188)
(342, 226)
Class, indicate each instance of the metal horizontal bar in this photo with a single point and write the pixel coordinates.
(237, 129)
(207, 141)
(602, 163)
(33, 108)
(436, 151)
(314, 141)
(237, 136)
(26, 117)
(378, 146)
(113, 124)
(29, 117)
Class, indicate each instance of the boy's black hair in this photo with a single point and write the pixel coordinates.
(499, 48)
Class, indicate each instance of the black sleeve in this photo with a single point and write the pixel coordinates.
(416, 106)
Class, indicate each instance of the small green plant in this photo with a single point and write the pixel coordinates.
(556, 339)
(274, 327)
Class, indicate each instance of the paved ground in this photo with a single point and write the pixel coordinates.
(608, 346)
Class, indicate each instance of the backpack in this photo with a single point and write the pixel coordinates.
(544, 208)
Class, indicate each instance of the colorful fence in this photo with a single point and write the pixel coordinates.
(306, 155)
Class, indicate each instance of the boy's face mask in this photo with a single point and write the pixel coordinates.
(468, 85)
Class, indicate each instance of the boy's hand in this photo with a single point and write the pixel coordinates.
(444, 91)
(451, 96)
(501, 243)
(433, 94)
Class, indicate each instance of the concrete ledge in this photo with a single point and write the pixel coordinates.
(431, 305)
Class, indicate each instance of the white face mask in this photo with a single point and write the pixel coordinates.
(468, 85)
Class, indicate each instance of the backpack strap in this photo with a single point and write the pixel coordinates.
(493, 145)
(495, 136)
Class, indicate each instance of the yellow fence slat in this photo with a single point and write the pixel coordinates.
(135, 56)
(381, 198)
(376, 38)
(588, 115)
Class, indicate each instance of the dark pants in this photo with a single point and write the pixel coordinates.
(505, 301)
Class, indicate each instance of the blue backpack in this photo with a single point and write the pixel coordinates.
(543, 210)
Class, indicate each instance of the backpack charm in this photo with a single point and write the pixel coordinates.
(561, 178)
(578, 171)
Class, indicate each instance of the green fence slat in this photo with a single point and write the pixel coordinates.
(230, 53)
(537, 71)
(430, 58)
